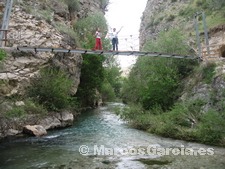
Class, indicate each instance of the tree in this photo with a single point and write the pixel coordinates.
(156, 81)
(92, 77)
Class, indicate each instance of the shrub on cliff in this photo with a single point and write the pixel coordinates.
(52, 89)
(211, 128)
(73, 5)
(21, 111)
(2, 54)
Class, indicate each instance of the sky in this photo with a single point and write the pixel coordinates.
(126, 14)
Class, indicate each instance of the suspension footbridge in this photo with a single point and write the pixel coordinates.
(102, 52)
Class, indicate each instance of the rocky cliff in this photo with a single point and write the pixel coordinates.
(163, 15)
(47, 24)
(159, 16)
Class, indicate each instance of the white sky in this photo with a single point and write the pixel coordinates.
(126, 13)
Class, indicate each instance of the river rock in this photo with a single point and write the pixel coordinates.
(36, 130)
(50, 123)
(66, 118)
(12, 132)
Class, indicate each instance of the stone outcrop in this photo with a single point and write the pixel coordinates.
(159, 16)
(163, 15)
(20, 67)
(12, 132)
(26, 29)
(36, 130)
(35, 125)
(57, 120)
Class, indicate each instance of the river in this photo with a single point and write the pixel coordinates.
(102, 131)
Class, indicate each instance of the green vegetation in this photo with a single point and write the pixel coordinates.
(184, 121)
(157, 81)
(181, 15)
(214, 10)
(73, 5)
(155, 85)
(91, 79)
(15, 112)
(52, 90)
(112, 85)
(95, 78)
(29, 107)
(2, 54)
(208, 73)
(211, 128)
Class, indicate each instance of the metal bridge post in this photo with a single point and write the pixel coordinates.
(5, 21)
(206, 32)
(198, 37)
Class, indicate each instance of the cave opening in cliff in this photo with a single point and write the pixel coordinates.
(222, 50)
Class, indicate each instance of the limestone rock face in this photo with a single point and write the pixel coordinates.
(157, 17)
(27, 30)
(33, 28)
(57, 120)
(12, 132)
(162, 15)
(50, 123)
(67, 118)
(36, 130)
(17, 71)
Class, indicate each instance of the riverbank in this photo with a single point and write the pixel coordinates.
(14, 126)
(207, 128)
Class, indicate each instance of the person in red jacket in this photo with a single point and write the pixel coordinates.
(98, 41)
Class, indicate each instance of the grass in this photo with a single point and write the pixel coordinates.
(208, 73)
(184, 121)
(46, 15)
(16, 112)
(216, 18)
(22, 111)
(74, 38)
(2, 54)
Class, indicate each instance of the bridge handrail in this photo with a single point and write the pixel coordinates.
(100, 52)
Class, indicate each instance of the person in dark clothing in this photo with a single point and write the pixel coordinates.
(115, 41)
